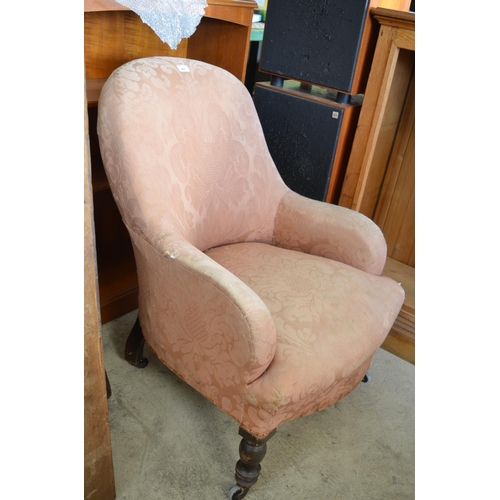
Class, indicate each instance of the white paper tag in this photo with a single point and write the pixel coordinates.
(183, 68)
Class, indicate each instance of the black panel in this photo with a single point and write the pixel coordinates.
(302, 138)
(314, 41)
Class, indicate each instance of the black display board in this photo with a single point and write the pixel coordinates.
(302, 136)
(316, 42)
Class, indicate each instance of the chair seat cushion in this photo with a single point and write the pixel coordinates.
(330, 319)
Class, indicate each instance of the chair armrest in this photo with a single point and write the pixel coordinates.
(330, 231)
(200, 319)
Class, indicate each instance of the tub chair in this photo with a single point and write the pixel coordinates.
(270, 304)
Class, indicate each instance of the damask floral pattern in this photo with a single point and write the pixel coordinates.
(330, 231)
(266, 302)
(329, 317)
(199, 169)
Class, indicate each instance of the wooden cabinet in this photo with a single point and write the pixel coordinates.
(380, 176)
(114, 35)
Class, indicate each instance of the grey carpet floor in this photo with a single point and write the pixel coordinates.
(169, 442)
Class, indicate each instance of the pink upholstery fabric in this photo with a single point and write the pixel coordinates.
(185, 151)
(200, 319)
(330, 318)
(261, 323)
(331, 231)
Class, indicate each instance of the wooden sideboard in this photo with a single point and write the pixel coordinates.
(114, 35)
(380, 176)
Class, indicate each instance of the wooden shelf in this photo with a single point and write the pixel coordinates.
(401, 339)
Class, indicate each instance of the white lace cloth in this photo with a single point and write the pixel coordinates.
(171, 20)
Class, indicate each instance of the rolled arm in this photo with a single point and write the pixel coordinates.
(330, 231)
(200, 319)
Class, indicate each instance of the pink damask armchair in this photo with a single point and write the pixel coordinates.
(269, 304)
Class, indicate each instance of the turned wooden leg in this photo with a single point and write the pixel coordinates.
(252, 452)
(135, 346)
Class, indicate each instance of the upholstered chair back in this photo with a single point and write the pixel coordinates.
(268, 303)
(202, 171)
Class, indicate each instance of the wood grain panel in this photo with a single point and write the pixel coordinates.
(401, 339)
(113, 38)
(402, 240)
(204, 46)
(139, 40)
(228, 10)
(233, 11)
(98, 465)
(401, 343)
(361, 173)
(102, 42)
(405, 40)
(404, 133)
(102, 5)
(380, 174)
(369, 40)
(404, 274)
(395, 212)
(368, 191)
